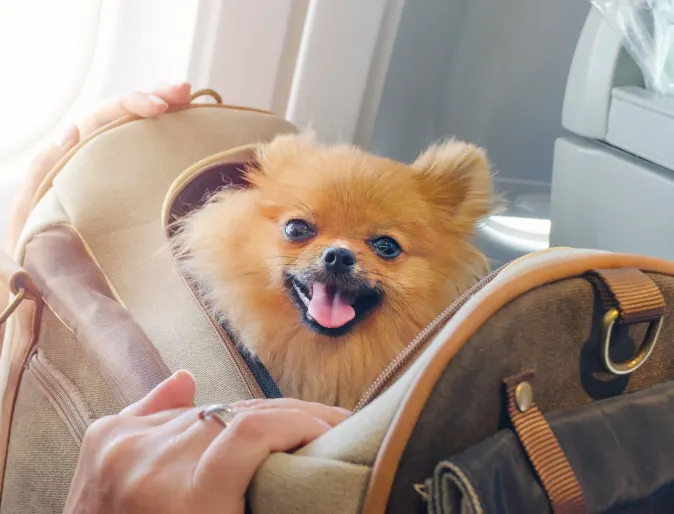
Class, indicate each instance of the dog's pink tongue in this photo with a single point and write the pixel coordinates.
(328, 308)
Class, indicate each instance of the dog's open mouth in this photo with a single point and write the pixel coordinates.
(329, 309)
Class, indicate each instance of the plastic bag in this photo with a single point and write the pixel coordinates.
(647, 27)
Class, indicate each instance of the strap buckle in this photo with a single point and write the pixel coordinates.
(624, 368)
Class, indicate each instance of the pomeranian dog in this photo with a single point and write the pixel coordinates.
(333, 259)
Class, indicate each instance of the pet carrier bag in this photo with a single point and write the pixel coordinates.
(545, 388)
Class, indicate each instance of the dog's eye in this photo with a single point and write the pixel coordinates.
(298, 230)
(386, 247)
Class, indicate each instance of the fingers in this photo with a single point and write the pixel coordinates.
(332, 415)
(190, 430)
(175, 392)
(237, 452)
(175, 95)
(205, 430)
(140, 104)
(143, 104)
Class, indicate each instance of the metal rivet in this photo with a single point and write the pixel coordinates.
(524, 396)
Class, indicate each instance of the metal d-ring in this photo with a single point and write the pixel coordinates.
(624, 368)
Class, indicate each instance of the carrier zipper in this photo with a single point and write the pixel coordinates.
(66, 400)
(409, 354)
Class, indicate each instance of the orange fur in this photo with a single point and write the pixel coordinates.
(234, 248)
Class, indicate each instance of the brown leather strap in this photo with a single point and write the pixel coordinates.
(541, 446)
(27, 317)
(79, 293)
(632, 292)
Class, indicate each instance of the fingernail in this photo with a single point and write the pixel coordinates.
(344, 411)
(178, 373)
(242, 404)
(156, 100)
(66, 136)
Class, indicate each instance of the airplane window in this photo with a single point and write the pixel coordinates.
(531, 232)
(47, 52)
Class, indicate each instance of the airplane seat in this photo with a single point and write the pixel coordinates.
(613, 174)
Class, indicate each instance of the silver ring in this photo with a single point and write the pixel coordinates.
(224, 413)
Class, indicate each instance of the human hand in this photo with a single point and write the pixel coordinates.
(158, 455)
(143, 104)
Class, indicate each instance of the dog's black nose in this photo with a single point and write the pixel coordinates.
(338, 260)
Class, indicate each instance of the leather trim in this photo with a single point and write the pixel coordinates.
(506, 287)
(49, 179)
(238, 154)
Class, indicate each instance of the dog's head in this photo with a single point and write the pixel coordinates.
(333, 241)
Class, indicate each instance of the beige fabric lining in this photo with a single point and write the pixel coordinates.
(181, 332)
(357, 439)
(79, 293)
(42, 456)
(293, 484)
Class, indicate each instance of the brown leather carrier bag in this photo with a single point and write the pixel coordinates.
(545, 388)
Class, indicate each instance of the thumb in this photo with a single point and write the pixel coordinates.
(175, 392)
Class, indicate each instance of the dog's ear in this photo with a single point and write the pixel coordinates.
(283, 147)
(456, 178)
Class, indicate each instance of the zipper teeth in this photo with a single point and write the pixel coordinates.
(60, 395)
(421, 340)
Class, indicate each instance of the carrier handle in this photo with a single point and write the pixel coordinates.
(207, 92)
(16, 301)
